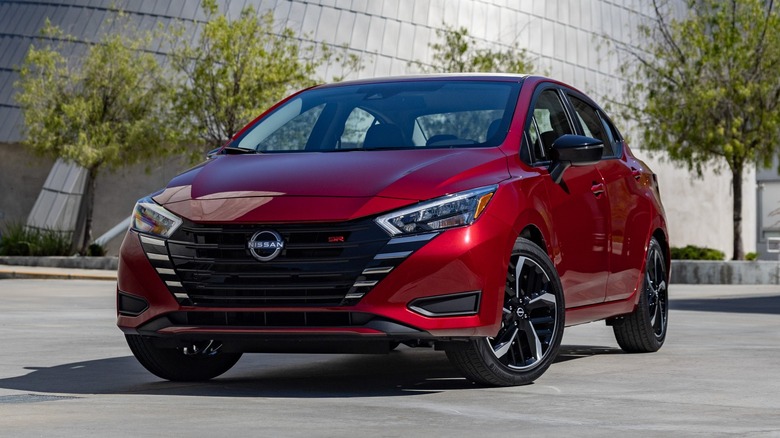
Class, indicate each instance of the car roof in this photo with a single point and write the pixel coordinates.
(496, 77)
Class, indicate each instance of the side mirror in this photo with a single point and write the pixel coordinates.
(573, 150)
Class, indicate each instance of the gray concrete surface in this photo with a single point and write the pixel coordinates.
(65, 371)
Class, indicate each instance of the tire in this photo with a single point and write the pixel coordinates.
(173, 364)
(531, 327)
(644, 330)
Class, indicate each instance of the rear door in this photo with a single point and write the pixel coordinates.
(629, 222)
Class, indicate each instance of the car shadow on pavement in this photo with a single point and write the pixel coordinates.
(571, 352)
(767, 304)
(400, 373)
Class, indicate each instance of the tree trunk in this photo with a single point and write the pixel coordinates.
(736, 187)
(89, 206)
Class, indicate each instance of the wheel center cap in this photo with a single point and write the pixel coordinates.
(520, 312)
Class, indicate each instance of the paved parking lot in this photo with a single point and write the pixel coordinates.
(66, 371)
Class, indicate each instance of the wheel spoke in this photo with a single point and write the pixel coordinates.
(532, 338)
(518, 274)
(529, 316)
(545, 300)
(501, 347)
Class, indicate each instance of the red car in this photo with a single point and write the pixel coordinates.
(475, 214)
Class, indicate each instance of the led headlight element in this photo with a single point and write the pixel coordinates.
(151, 218)
(449, 211)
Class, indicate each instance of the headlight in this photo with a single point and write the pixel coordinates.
(151, 218)
(449, 211)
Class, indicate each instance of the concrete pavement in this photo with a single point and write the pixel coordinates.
(66, 371)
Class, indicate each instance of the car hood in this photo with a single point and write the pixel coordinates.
(332, 186)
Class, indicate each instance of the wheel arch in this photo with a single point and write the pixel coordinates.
(532, 233)
(662, 239)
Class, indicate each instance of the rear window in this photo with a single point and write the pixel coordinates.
(396, 115)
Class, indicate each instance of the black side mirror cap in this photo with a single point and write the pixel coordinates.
(573, 150)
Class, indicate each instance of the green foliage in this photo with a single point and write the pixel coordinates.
(705, 89)
(692, 252)
(104, 110)
(19, 240)
(751, 256)
(96, 250)
(237, 69)
(459, 53)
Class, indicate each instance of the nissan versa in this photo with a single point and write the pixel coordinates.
(475, 214)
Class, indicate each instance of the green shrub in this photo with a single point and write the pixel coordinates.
(751, 256)
(96, 250)
(692, 252)
(18, 240)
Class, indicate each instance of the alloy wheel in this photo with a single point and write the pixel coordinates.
(529, 318)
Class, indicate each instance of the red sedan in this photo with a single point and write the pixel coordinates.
(476, 214)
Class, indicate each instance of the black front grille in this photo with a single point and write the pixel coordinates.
(319, 264)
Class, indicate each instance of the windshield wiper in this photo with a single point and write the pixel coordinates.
(232, 150)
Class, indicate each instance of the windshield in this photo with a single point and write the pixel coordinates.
(396, 115)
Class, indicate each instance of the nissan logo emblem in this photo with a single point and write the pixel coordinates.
(265, 245)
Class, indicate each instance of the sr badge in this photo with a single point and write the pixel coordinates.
(265, 245)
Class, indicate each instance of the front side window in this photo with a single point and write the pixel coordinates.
(549, 121)
(398, 115)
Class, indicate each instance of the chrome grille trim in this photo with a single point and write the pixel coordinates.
(365, 283)
(393, 255)
(380, 270)
(151, 241)
(409, 239)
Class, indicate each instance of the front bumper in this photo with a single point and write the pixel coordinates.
(450, 286)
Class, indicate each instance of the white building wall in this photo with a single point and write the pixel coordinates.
(567, 40)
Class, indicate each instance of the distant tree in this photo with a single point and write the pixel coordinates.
(104, 110)
(238, 68)
(459, 52)
(705, 89)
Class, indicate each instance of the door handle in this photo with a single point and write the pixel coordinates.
(636, 173)
(597, 189)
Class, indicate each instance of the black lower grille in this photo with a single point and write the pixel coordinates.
(319, 264)
(270, 319)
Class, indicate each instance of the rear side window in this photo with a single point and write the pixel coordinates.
(613, 134)
(592, 125)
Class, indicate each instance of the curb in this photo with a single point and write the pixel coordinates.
(74, 262)
(31, 272)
